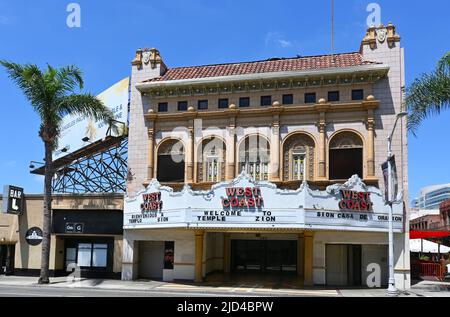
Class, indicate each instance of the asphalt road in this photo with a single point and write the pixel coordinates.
(38, 291)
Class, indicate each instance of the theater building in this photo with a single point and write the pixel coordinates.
(269, 167)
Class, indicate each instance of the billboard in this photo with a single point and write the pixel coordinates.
(75, 128)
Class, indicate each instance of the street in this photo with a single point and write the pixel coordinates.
(60, 287)
(42, 291)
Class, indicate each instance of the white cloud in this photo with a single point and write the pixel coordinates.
(284, 43)
(278, 39)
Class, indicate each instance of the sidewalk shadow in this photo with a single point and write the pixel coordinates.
(92, 282)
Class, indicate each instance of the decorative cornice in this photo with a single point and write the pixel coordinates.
(137, 61)
(146, 56)
(392, 36)
(381, 34)
(267, 111)
(264, 82)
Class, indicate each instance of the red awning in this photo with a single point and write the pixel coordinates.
(428, 234)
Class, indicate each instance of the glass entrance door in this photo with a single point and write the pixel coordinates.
(264, 256)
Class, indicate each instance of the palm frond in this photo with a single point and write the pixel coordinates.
(444, 64)
(88, 105)
(29, 79)
(429, 95)
(70, 78)
(53, 95)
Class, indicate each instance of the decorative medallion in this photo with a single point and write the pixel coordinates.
(381, 35)
(146, 56)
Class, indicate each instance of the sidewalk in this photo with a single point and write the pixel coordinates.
(241, 289)
(421, 289)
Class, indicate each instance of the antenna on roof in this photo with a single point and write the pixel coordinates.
(332, 29)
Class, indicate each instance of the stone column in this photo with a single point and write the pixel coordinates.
(322, 147)
(151, 154)
(370, 145)
(275, 153)
(230, 166)
(190, 156)
(274, 166)
(199, 238)
(308, 257)
(322, 108)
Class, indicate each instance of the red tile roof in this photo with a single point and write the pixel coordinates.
(267, 66)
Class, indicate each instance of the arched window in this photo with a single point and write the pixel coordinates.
(298, 158)
(171, 162)
(211, 160)
(254, 157)
(346, 156)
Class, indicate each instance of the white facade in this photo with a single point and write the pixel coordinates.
(283, 216)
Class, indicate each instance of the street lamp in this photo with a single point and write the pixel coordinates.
(33, 164)
(392, 290)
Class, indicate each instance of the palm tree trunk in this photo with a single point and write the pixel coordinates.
(47, 221)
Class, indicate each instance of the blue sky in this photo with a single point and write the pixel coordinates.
(203, 32)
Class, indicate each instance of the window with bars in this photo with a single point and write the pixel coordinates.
(254, 157)
(298, 166)
(257, 170)
(212, 169)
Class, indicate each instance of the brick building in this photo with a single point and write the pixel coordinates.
(444, 209)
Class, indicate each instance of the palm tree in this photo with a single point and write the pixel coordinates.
(53, 94)
(429, 94)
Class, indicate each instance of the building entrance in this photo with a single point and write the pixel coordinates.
(263, 256)
(351, 265)
(7, 259)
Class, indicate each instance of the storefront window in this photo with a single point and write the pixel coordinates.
(84, 254)
(71, 256)
(88, 255)
(99, 255)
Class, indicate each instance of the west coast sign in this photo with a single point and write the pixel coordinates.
(244, 203)
(355, 201)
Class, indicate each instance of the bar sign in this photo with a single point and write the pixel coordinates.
(13, 204)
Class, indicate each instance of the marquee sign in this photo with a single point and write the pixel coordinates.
(240, 197)
(355, 201)
(244, 203)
